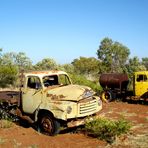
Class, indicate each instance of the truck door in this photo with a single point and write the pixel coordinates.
(141, 84)
(32, 94)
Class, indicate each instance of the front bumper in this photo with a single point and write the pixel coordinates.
(80, 121)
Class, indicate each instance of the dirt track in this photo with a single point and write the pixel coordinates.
(18, 136)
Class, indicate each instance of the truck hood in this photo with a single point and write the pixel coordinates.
(70, 92)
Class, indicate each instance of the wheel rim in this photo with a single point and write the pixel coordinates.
(106, 96)
(47, 126)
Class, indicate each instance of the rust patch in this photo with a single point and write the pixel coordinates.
(61, 96)
(24, 117)
(39, 72)
(55, 97)
(9, 96)
(44, 72)
(86, 100)
(58, 102)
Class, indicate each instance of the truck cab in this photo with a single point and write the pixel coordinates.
(50, 98)
(140, 85)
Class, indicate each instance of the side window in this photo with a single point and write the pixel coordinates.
(64, 80)
(141, 78)
(33, 82)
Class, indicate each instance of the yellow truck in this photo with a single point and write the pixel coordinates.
(140, 85)
(48, 99)
(115, 85)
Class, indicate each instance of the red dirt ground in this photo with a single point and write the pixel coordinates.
(19, 137)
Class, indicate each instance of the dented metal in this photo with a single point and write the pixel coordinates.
(54, 92)
(63, 99)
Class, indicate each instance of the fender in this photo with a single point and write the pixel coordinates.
(59, 113)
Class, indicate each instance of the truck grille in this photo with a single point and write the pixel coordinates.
(87, 106)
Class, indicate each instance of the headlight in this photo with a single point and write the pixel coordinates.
(88, 94)
(69, 109)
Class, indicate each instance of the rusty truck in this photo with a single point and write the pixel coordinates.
(115, 85)
(49, 100)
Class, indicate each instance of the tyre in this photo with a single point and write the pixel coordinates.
(106, 96)
(48, 125)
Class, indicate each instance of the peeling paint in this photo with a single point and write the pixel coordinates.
(55, 97)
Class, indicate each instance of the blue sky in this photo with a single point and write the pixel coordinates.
(67, 29)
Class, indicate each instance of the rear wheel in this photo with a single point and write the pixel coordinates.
(106, 96)
(48, 125)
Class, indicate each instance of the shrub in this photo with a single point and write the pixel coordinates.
(106, 129)
(81, 80)
(6, 124)
(8, 75)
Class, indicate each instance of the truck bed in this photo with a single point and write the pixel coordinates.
(12, 97)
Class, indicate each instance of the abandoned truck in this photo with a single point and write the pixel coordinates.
(49, 100)
(115, 85)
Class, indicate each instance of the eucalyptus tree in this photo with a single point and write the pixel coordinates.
(22, 61)
(145, 62)
(46, 64)
(134, 65)
(8, 70)
(11, 64)
(112, 55)
(86, 66)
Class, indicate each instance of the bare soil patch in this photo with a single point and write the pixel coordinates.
(18, 136)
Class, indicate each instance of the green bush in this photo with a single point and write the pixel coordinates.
(106, 129)
(8, 76)
(6, 123)
(81, 80)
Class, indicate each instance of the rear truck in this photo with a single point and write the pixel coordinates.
(115, 85)
(49, 100)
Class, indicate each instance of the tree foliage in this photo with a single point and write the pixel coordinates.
(112, 55)
(134, 65)
(46, 64)
(145, 62)
(8, 76)
(22, 61)
(10, 64)
(8, 58)
(69, 68)
(86, 66)
(81, 80)
(16, 59)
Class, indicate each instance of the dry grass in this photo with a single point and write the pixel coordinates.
(5, 124)
(2, 140)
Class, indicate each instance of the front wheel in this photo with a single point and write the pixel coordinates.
(48, 125)
(106, 96)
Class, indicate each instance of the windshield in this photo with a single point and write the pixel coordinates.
(50, 80)
(56, 80)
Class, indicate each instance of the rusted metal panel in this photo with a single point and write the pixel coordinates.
(10, 96)
(64, 101)
(114, 81)
(55, 97)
